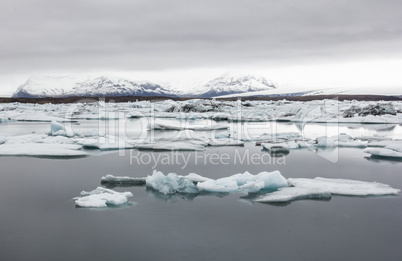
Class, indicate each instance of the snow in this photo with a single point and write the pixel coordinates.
(324, 188)
(170, 184)
(101, 197)
(235, 82)
(89, 86)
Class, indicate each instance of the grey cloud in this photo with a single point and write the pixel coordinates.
(125, 35)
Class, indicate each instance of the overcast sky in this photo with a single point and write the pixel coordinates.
(290, 40)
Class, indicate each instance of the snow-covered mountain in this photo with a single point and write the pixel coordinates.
(66, 86)
(233, 83)
(63, 86)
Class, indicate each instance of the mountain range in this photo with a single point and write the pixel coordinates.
(102, 86)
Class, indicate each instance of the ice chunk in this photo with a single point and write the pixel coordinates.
(101, 197)
(294, 193)
(108, 142)
(280, 146)
(170, 184)
(325, 142)
(396, 146)
(41, 150)
(352, 143)
(170, 146)
(245, 182)
(346, 187)
(57, 129)
(195, 177)
(222, 135)
(225, 142)
(122, 180)
(383, 152)
(342, 137)
(324, 188)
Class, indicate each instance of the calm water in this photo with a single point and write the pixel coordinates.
(40, 222)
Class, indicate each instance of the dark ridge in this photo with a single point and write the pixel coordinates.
(161, 98)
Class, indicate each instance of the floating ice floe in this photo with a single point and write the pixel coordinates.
(280, 146)
(324, 188)
(352, 144)
(225, 142)
(170, 146)
(122, 180)
(245, 182)
(396, 146)
(325, 142)
(41, 150)
(383, 152)
(164, 126)
(170, 184)
(101, 197)
(107, 142)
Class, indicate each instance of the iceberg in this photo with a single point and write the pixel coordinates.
(324, 188)
(101, 197)
(170, 184)
(57, 129)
